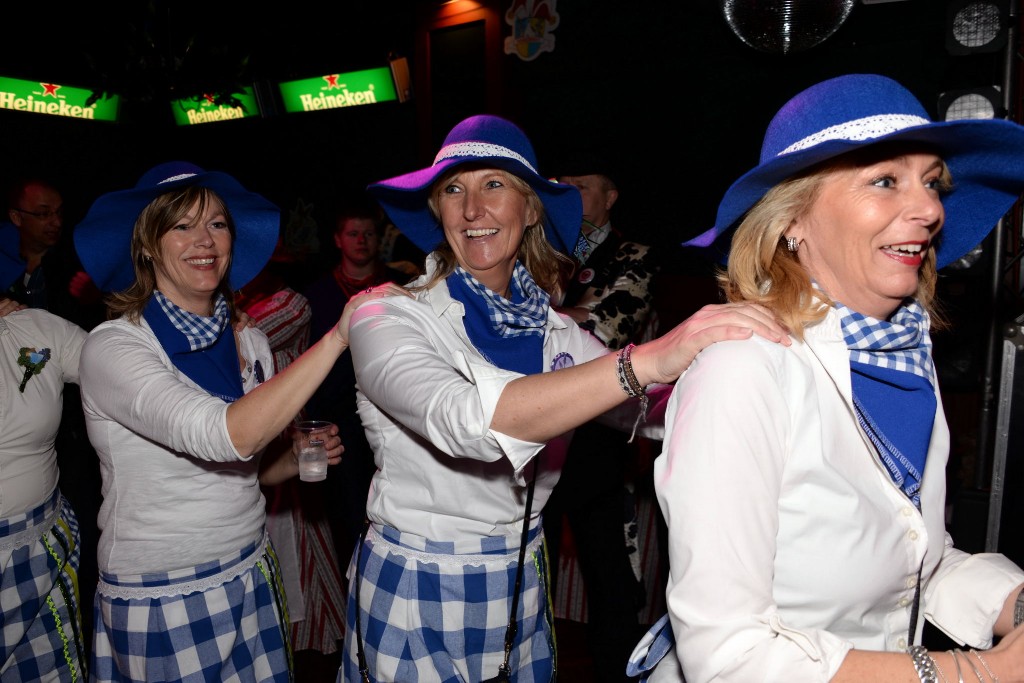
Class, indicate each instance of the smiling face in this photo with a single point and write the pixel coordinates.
(484, 217)
(194, 256)
(865, 236)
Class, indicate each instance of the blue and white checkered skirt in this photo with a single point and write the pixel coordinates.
(433, 611)
(40, 624)
(221, 621)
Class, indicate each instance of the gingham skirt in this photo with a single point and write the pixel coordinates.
(40, 624)
(221, 621)
(438, 612)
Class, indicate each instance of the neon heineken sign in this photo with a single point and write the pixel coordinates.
(336, 91)
(206, 109)
(55, 100)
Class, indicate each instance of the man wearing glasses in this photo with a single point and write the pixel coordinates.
(35, 209)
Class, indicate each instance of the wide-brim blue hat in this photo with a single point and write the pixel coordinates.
(847, 113)
(494, 142)
(103, 238)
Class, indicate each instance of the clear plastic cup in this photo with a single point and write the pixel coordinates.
(309, 439)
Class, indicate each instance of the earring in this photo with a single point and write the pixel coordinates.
(147, 258)
(792, 244)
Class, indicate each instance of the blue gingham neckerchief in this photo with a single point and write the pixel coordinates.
(901, 344)
(511, 319)
(200, 331)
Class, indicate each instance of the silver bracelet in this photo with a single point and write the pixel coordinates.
(924, 665)
(995, 679)
(977, 672)
(956, 663)
(1018, 610)
(627, 378)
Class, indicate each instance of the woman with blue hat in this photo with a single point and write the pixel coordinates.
(467, 392)
(805, 486)
(180, 406)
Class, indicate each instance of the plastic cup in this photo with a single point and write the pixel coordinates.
(309, 437)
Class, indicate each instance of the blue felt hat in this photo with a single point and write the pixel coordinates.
(494, 142)
(848, 113)
(103, 238)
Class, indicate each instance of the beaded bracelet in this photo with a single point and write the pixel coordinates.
(627, 378)
(995, 679)
(924, 665)
(1018, 610)
(631, 385)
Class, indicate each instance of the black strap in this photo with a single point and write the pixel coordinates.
(510, 632)
(504, 670)
(364, 671)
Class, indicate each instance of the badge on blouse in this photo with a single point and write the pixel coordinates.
(33, 361)
(586, 275)
(562, 360)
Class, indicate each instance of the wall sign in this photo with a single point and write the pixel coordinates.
(336, 91)
(193, 111)
(532, 23)
(55, 100)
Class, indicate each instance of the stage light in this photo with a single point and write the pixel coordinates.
(973, 26)
(971, 103)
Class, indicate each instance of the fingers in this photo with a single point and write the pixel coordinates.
(738, 321)
(10, 306)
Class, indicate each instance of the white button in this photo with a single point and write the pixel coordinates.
(911, 582)
(908, 511)
(913, 535)
(904, 602)
(902, 642)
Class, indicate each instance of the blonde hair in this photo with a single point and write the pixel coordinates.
(159, 216)
(543, 261)
(762, 270)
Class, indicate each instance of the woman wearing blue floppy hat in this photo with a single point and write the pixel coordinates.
(467, 392)
(804, 486)
(180, 406)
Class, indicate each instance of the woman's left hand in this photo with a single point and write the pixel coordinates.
(244, 321)
(333, 446)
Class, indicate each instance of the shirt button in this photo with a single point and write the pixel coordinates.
(902, 642)
(913, 535)
(911, 582)
(904, 602)
(907, 511)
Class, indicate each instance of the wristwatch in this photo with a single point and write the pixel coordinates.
(1018, 610)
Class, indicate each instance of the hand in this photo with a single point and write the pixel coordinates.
(10, 306)
(244, 320)
(332, 444)
(376, 292)
(665, 358)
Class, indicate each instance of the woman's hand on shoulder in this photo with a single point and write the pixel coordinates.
(666, 357)
(10, 306)
(368, 294)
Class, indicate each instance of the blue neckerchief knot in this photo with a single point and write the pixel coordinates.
(202, 347)
(508, 332)
(893, 380)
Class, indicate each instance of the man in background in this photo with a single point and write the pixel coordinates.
(607, 293)
(357, 233)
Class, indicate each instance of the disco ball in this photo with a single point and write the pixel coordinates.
(785, 26)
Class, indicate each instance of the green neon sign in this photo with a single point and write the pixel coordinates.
(203, 109)
(335, 91)
(55, 100)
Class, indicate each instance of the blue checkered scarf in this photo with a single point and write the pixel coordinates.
(509, 333)
(891, 367)
(201, 347)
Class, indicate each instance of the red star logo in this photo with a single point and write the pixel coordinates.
(209, 98)
(50, 89)
(332, 81)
